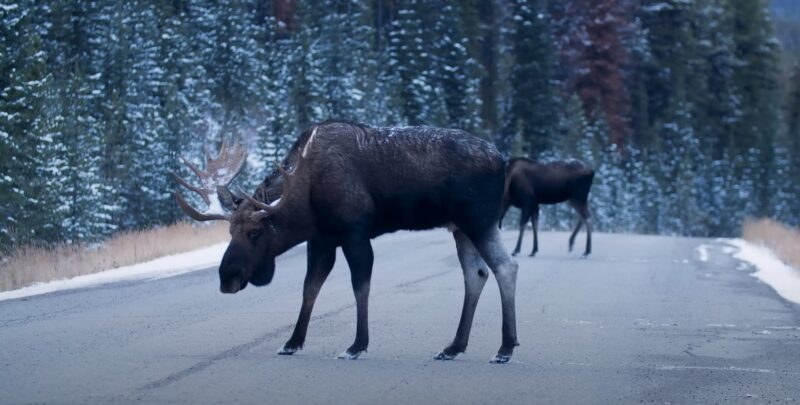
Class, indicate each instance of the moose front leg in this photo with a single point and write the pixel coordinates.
(358, 252)
(321, 257)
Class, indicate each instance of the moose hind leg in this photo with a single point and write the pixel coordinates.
(475, 275)
(358, 252)
(491, 248)
(588, 250)
(321, 257)
(575, 233)
(525, 214)
(535, 226)
(583, 210)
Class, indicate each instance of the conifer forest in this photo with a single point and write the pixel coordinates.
(688, 110)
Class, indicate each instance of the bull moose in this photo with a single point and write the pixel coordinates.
(346, 184)
(529, 183)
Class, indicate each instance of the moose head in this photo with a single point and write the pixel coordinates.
(250, 256)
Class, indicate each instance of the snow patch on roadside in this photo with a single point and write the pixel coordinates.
(703, 251)
(784, 279)
(162, 267)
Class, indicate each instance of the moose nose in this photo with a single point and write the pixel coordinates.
(231, 286)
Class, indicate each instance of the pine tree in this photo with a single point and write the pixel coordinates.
(792, 139)
(792, 111)
(86, 203)
(489, 31)
(23, 86)
(458, 72)
(282, 121)
(412, 68)
(83, 196)
(755, 75)
(680, 164)
(718, 108)
(339, 63)
(533, 105)
(597, 54)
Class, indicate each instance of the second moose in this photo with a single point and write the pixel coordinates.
(530, 183)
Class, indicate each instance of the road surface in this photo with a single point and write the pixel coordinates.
(643, 319)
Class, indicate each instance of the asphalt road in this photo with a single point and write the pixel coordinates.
(643, 319)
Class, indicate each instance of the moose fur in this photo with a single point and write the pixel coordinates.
(347, 184)
(529, 184)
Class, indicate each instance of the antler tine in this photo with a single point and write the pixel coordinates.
(206, 152)
(239, 159)
(186, 184)
(258, 204)
(199, 173)
(212, 163)
(190, 211)
(240, 153)
(237, 154)
(224, 151)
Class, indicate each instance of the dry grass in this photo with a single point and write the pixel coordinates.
(781, 239)
(30, 265)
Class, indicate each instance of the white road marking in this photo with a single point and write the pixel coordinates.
(729, 368)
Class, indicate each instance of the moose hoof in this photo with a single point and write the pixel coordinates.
(533, 254)
(444, 356)
(584, 256)
(500, 359)
(514, 253)
(346, 355)
(287, 350)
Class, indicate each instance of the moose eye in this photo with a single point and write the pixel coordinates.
(253, 235)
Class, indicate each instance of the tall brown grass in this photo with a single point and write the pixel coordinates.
(28, 265)
(781, 239)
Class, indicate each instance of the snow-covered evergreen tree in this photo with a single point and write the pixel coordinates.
(413, 66)
(340, 68)
(23, 95)
(532, 102)
(458, 73)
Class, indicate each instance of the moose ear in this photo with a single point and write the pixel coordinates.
(229, 200)
(237, 199)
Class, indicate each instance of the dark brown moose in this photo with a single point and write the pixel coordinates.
(529, 183)
(346, 184)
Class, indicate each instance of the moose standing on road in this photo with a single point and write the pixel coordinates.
(529, 183)
(350, 183)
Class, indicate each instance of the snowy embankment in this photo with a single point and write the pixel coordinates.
(784, 279)
(166, 266)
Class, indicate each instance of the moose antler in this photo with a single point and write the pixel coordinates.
(219, 173)
(258, 204)
(264, 209)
